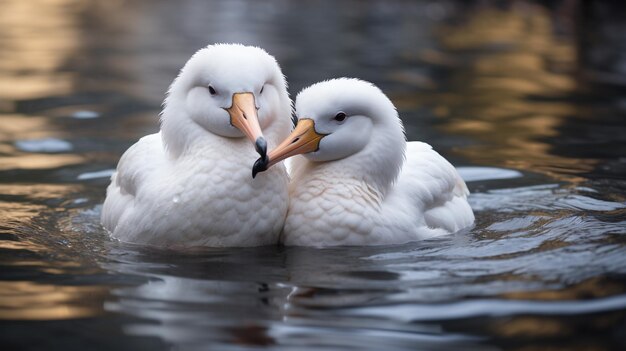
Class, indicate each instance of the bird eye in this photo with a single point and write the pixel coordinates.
(263, 87)
(340, 117)
(212, 90)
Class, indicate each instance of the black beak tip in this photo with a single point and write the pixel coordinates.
(260, 165)
(261, 147)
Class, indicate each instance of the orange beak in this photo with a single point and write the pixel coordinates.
(243, 115)
(302, 140)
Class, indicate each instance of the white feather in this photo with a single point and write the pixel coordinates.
(387, 192)
(187, 186)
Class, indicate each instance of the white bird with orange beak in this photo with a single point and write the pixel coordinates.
(358, 182)
(190, 184)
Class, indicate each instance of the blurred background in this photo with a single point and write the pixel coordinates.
(534, 90)
(527, 77)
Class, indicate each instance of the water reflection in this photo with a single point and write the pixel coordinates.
(223, 307)
(17, 128)
(37, 39)
(515, 96)
(21, 300)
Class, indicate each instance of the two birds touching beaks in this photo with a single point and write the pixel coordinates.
(352, 179)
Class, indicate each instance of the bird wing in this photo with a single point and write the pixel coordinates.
(137, 164)
(429, 182)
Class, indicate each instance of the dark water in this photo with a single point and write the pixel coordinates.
(535, 91)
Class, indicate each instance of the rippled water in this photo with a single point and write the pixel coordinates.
(518, 96)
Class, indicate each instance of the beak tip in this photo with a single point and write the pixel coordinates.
(260, 165)
(261, 147)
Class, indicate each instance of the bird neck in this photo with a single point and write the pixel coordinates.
(374, 168)
(178, 130)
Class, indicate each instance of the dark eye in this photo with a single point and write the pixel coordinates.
(340, 117)
(261, 92)
(212, 90)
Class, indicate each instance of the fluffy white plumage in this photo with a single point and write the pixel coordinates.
(190, 184)
(365, 185)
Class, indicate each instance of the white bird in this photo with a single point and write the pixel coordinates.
(190, 184)
(359, 182)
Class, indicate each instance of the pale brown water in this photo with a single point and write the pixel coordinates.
(534, 91)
